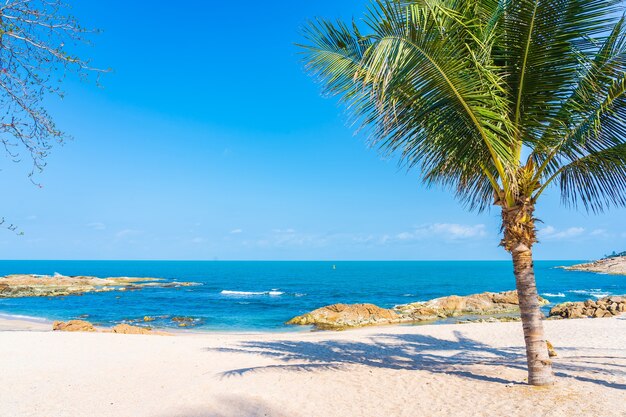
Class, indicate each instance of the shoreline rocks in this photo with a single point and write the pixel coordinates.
(30, 285)
(73, 326)
(603, 307)
(487, 303)
(614, 266)
(85, 326)
(342, 316)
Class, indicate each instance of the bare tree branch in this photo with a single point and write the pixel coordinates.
(34, 59)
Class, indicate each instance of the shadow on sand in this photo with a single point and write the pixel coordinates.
(232, 406)
(421, 352)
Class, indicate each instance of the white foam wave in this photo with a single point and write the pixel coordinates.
(594, 292)
(244, 293)
(549, 294)
(273, 293)
(600, 294)
(22, 317)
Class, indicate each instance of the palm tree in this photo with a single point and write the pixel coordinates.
(496, 100)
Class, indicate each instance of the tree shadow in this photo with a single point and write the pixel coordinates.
(464, 357)
(230, 406)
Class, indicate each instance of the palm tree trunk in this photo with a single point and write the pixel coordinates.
(520, 234)
(539, 363)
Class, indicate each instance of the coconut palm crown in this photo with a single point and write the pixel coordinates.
(495, 99)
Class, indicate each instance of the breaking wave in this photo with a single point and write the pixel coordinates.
(594, 292)
(273, 293)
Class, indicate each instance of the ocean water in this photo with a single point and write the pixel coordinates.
(261, 296)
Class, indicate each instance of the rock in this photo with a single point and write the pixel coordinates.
(85, 326)
(340, 316)
(180, 319)
(487, 303)
(604, 307)
(615, 265)
(551, 351)
(147, 318)
(128, 329)
(28, 285)
(185, 321)
(73, 326)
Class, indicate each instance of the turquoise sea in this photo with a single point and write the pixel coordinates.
(261, 296)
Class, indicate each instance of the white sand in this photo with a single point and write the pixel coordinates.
(436, 370)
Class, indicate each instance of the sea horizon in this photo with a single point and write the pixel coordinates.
(263, 295)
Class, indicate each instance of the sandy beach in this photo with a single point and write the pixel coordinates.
(473, 369)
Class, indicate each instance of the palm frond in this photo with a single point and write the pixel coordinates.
(575, 132)
(334, 55)
(543, 42)
(458, 87)
(422, 97)
(597, 181)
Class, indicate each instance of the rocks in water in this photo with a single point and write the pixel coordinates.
(338, 316)
(487, 303)
(614, 265)
(28, 285)
(604, 307)
(185, 321)
(128, 329)
(73, 326)
(181, 319)
(148, 318)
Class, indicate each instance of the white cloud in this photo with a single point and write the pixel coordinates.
(96, 226)
(552, 233)
(450, 232)
(445, 231)
(458, 231)
(236, 231)
(600, 233)
(127, 233)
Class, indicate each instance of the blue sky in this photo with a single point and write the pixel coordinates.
(208, 141)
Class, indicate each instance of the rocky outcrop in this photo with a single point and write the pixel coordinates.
(487, 303)
(185, 321)
(604, 307)
(339, 316)
(14, 286)
(73, 326)
(615, 266)
(85, 326)
(128, 329)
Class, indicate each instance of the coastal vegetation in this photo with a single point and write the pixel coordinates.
(495, 100)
